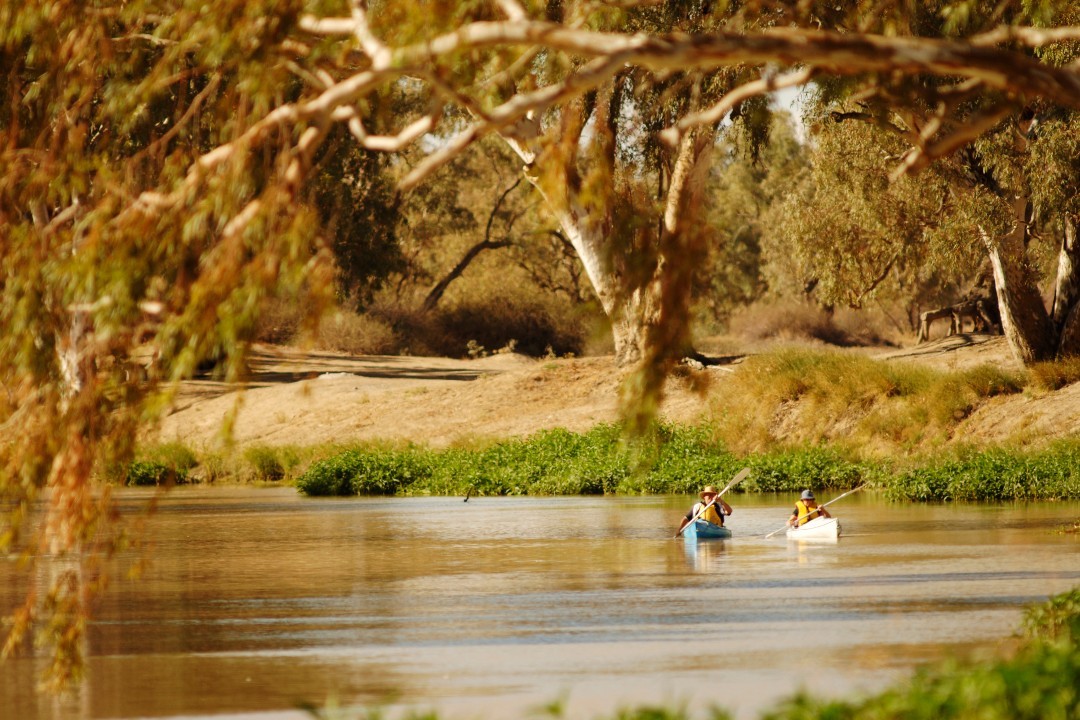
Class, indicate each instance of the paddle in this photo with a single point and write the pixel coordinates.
(814, 511)
(739, 477)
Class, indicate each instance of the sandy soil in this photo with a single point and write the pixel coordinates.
(307, 398)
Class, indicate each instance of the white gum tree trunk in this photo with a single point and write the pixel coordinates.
(1065, 311)
(632, 311)
(1024, 318)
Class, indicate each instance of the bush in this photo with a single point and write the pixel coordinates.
(279, 321)
(995, 475)
(154, 473)
(1058, 619)
(166, 464)
(559, 462)
(348, 332)
(1042, 681)
(360, 472)
(810, 467)
(534, 327)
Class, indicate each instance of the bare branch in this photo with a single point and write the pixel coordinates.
(509, 113)
(390, 143)
(378, 52)
(857, 302)
(487, 243)
(211, 87)
(512, 9)
(839, 53)
(1027, 36)
(920, 157)
(327, 26)
(717, 112)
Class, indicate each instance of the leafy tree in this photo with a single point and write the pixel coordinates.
(749, 183)
(359, 215)
(850, 233)
(981, 202)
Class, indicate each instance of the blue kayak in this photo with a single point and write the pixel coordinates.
(703, 529)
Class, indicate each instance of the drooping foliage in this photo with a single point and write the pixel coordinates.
(124, 265)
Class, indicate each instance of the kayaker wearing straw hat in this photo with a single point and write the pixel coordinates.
(715, 511)
(805, 508)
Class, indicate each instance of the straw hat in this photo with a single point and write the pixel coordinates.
(709, 490)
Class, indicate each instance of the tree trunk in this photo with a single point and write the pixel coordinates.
(1066, 308)
(486, 244)
(1024, 319)
(627, 311)
(437, 292)
(637, 309)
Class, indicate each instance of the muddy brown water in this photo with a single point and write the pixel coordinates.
(257, 601)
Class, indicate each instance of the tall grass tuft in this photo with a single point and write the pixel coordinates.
(799, 396)
(809, 467)
(1054, 375)
(270, 464)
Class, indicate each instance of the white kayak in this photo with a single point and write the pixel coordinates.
(821, 528)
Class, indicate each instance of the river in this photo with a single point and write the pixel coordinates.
(257, 600)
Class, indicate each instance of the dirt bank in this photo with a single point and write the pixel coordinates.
(307, 398)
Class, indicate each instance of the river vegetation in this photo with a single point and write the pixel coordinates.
(558, 462)
(175, 170)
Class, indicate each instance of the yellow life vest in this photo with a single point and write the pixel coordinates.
(710, 515)
(804, 511)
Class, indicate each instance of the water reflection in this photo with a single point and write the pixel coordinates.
(704, 555)
(257, 600)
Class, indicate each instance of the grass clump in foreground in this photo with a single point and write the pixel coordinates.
(1040, 682)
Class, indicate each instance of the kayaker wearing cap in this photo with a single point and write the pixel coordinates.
(715, 511)
(803, 507)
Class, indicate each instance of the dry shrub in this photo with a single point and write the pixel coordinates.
(348, 332)
(279, 322)
(536, 328)
(480, 326)
(792, 321)
(871, 327)
(1055, 375)
(799, 395)
(532, 326)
